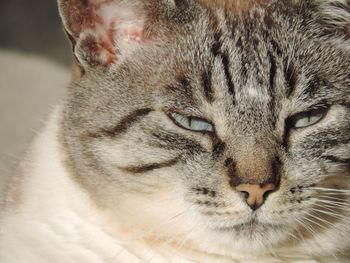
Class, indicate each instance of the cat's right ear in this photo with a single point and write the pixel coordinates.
(100, 30)
(103, 31)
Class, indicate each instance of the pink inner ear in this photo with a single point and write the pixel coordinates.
(119, 22)
(134, 34)
(114, 26)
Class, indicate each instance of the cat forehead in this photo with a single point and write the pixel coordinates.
(243, 48)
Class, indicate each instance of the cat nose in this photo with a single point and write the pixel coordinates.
(255, 194)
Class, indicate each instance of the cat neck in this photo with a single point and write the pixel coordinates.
(53, 207)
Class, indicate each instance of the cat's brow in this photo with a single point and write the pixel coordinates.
(219, 53)
(291, 77)
(123, 125)
(207, 85)
(149, 167)
(315, 85)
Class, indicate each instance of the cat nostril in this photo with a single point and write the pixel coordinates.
(267, 193)
(255, 194)
(245, 194)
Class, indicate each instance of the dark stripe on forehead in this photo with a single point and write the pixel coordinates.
(273, 71)
(149, 167)
(291, 77)
(273, 43)
(226, 63)
(216, 47)
(217, 52)
(123, 125)
(272, 87)
(207, 85)
(243, 63)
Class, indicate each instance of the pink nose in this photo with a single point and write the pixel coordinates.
(255, 194)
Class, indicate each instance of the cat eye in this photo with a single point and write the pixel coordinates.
(306, 119)
(191, 123)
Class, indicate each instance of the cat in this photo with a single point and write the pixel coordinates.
(196, 131)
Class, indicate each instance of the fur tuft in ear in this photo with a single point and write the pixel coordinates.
(101, 30)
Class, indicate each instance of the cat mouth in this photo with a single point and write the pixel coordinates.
(250, 226)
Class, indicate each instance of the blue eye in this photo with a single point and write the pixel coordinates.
(306, 119)
(191, 123)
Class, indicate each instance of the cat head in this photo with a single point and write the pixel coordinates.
(224, 127)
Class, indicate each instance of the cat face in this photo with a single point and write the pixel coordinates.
(228, 130)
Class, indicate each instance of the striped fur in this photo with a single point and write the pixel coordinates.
(246, 67)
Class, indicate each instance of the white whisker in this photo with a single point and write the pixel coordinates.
(334, 203)
(334, 198)
(331, 190)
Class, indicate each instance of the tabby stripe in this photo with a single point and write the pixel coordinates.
(276, 171)
(335, 159)
(173, 141)
(273, 71)
(217, 52)
(207, 84)
(226, 63)
(216, 48)
(125, 123)
(291, 77)
(275, 46)
(272, 81)
(149, 167)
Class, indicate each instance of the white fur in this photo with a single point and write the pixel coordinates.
(54, 220)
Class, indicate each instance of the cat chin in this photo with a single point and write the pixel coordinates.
(244, 239)
(253, 240)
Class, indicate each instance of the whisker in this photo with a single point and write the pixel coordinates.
(335, 203)
(314, 222)
(327, 212)
(307, 227)
(334, 198)
(331, 207)
(331, 190)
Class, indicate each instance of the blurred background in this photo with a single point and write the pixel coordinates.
(34, 27)
(34, 72)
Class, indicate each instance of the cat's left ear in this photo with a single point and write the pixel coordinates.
(103, 31)
(333, 17)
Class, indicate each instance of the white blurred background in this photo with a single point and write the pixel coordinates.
(34, 72)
